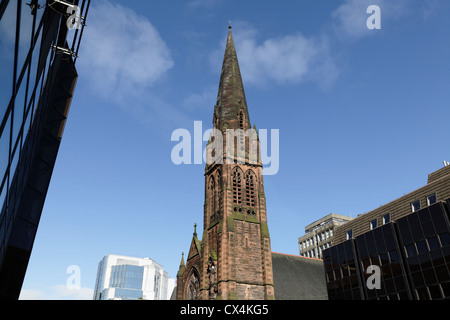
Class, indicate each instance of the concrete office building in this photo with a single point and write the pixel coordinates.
(408, 239)
(319, 235)
(128, 278)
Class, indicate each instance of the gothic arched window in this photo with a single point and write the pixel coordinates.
(250, 182)
(237, 185)
(218, 187)
(219, 179)
(193, 286)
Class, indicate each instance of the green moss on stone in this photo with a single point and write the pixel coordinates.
(264, 230)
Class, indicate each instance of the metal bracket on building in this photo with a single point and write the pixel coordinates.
(70, 6)
(34, 6)
(60, 50)
(64, 3)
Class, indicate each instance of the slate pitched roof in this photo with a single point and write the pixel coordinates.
(298, 278)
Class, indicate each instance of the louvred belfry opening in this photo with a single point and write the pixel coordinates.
(237, 186)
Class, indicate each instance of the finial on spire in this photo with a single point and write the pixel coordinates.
(229, 24)
(195, 228)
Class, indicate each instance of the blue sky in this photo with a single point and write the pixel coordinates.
(362, 115)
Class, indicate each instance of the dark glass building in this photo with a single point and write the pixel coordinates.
(39, 42)
(412, 255)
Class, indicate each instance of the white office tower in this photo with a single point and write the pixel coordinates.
(128, 278)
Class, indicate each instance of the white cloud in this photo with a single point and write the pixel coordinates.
(203, 3)
(122, 56)
(58, 292)
(430, 9)
(205, 99)
(351, 16)
(121, 51)
(295, 58)
(28, 294)
(288, 59)
(74, 294)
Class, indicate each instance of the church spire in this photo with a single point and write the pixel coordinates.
(231, 107)
(182, 266)
(233, 259)
(182, 260)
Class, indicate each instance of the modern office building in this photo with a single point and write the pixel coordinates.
(404, 245)
(319, 235)
(38, 52)
(129, 278)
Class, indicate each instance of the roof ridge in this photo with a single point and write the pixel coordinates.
(293, 255)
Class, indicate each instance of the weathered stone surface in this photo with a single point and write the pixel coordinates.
(235, 242)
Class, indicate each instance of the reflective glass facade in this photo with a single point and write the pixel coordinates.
(33, 70)
(412, 254)
(380, 248)
(341, 269)
(127, 279)
(425, 239)
(127, 276)
(128, 294)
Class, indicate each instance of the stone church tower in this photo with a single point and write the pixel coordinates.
(233, 259)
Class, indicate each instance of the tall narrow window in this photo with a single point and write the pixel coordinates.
(237, 185)
(373, 224)
(212, 188)
(218, 187)
(431, 199)
(349, 234)
(250, 188)
(415, 206)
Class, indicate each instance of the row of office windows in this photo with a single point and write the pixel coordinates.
(313, 253)
(316, 239)
(415, 206)
(428, 244)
